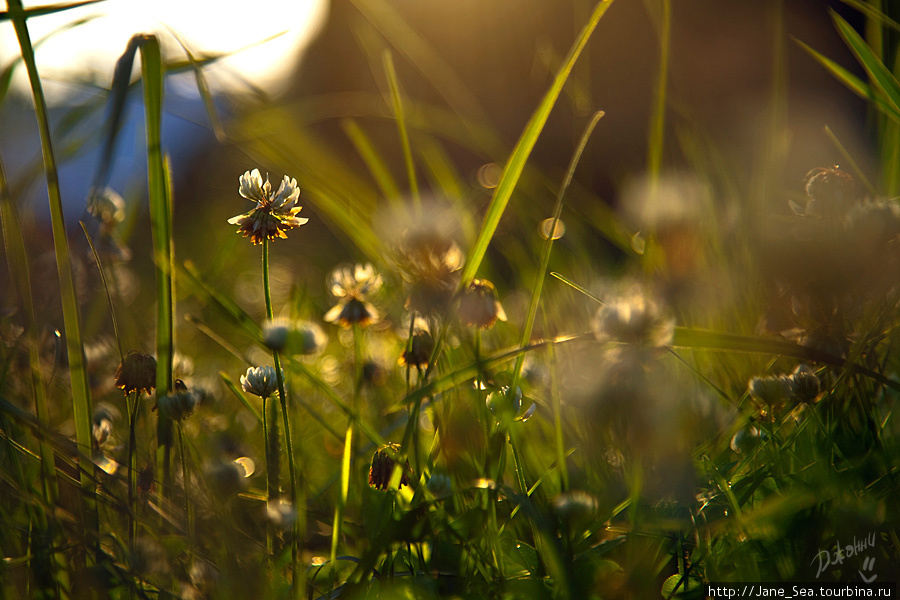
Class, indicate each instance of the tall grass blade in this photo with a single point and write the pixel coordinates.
(516, 163)
(658, 118)
(80, 389)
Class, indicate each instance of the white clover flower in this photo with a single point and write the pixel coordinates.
(260, 381)
(634, 320)
(274, 214)
(353, 286)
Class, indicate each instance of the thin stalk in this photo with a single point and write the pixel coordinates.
(297, 573)
(400, 116)
(658, 120)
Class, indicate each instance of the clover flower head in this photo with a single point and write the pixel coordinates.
(260, 381)
(634, 320)
(274, 214)
(180, 403)
(771, 391)
(107, 206)
(478, 305)
(295, 337)
(136, 372)
(419, 349)
(429, 263)
(575, 505)
(353, 286)
(806, 384)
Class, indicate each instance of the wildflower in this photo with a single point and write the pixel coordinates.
(352, 287)
(136, 372)
(634, 320)
(107, 206)
(806, 385)
(771, 391)
(419, 349)
(296, 337)
(259, 381)
(382, 468)
(274, 214)
(430, 264)
(478, 305)
(180, 403)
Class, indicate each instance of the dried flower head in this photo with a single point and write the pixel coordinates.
(633, 320)
(429, 263)
(353, 287)
(806, 385)
(294, 337)
(419, 348)
(478, 305)
(260, 381)
(136, 372)
(382, 468)
(274, 214)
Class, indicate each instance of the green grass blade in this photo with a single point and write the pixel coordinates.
(516, 163)
(400, 117)
(880, 74)
(852, 82)
(541, 274)
(80, 388)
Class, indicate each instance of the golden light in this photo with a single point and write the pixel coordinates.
(82, 44)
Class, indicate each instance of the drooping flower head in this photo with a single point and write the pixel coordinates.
(382, 467)
(136, 372)
(353, 286)
(295, 337)
(274, 214)
(479, 306)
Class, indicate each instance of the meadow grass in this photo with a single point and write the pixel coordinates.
(458, 412)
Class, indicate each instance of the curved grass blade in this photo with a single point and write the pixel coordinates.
(516, 163)
(852, 82)
(80, 389)
(400, 117)
(878, 72)
(17, 12)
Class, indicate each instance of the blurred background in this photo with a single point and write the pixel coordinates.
(297, 85)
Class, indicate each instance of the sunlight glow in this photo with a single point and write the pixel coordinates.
(266, 42)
